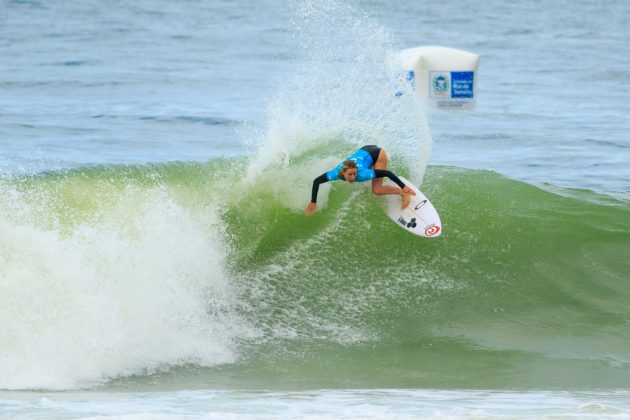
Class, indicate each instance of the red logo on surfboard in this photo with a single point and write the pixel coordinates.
(431, 230)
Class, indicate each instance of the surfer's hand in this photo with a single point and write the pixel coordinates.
(311, 208)
(408, 190)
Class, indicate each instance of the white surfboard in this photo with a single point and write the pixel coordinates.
(419, 218)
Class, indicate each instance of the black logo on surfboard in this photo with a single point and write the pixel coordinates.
(408, 224)
(420, 204)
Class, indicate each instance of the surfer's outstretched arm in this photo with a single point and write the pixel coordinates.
(312, 206)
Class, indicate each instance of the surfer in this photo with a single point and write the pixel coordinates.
(367, 163)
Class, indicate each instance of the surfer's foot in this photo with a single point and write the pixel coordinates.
(406, 198)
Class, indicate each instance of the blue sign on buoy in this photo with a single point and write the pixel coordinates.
(462, 84)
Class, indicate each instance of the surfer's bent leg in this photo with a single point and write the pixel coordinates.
(377, 183)
(380, 168)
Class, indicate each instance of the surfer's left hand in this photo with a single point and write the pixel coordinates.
(311, 208)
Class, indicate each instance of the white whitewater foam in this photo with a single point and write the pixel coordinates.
(322, 404)
(137, 289)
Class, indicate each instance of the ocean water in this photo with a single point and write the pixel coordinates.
(156, 159)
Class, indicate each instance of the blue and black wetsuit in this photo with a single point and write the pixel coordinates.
(365, 158)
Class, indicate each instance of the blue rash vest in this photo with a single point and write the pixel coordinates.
(364, 158)
(364, 162)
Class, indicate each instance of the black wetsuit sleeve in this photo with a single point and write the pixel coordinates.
(319, 180)
(381, 173)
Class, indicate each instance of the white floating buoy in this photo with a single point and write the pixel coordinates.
(442, 77)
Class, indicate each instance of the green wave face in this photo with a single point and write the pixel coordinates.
(192, 271)
(522, 283)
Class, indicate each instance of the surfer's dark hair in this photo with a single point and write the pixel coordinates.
(347, 164)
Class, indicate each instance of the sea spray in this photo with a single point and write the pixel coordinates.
(340, 92)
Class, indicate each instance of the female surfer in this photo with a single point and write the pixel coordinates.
(369, 162)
